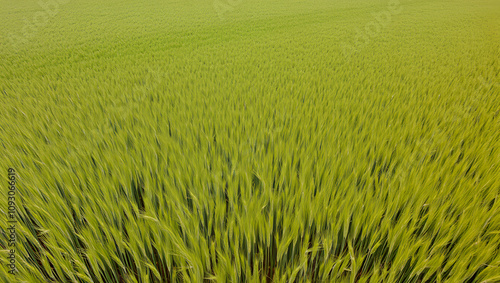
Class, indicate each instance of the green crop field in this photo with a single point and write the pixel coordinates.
(250, 141)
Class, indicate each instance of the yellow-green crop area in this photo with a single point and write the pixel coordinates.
(250, 141)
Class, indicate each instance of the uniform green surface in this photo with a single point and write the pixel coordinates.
(251, 141)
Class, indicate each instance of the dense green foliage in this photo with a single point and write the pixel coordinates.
(172, 141)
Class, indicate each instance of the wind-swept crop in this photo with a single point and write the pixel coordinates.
(155, 142)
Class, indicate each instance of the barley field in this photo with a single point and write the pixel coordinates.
(250, 141)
